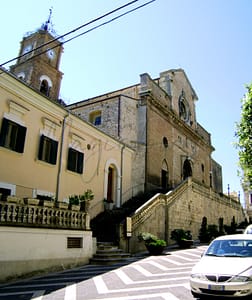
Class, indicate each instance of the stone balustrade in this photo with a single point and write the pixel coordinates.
(20, 212)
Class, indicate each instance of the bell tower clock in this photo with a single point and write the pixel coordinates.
(39, 59)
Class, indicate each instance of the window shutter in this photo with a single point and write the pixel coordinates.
(53, 154)
(80, 163)
(41, 144)
(70, 160)
(4, 131)
(21, 139)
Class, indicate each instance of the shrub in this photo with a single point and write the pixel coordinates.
(181, 234)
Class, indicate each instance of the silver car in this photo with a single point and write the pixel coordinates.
(225, 269)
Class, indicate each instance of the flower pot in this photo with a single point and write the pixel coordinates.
(61, 205)
(31, 201)
(13, 199)
(108, 205)
(155, 249)
(47, 203)
(185, 243)
(74, 207)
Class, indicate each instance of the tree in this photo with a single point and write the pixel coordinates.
(244, 135)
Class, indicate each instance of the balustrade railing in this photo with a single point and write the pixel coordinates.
(18, 214)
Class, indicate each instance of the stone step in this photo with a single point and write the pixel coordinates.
(108, 254)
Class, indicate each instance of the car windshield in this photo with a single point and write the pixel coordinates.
(230, 248)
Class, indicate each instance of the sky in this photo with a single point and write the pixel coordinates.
(209, 39)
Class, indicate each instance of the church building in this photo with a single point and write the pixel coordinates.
(157, 118)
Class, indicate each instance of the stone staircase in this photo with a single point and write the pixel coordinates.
(108, 254)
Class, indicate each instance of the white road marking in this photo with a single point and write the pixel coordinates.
(124, 277)
(142, 270)
(172, 261)
(157, 265)
(100, 285)
(70, 293)
(164, 296)
(184, 258)
(137, 289)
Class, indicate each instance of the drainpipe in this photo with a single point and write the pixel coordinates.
(121, 177)
(60, 157)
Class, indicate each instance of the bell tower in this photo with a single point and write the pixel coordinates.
(39, 59)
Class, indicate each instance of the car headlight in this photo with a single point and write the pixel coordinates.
(241, 279)
(199, 276)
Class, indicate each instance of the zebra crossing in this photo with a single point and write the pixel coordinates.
(153, 277)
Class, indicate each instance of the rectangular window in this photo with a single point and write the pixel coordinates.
(74, 242)
(75, 161)
(48, 150)
(12, 136)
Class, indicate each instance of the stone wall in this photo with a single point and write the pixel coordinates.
(183, 208)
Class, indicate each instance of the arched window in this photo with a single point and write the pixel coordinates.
(165, 142)
(44, 87)
(164, 176)
(95, 117)
(187, 169)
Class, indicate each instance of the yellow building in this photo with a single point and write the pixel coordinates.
(47, 151)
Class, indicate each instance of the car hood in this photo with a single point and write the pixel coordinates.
(223, 265)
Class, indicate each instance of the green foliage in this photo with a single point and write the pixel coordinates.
(181, 234)
(244, 135)
(77, 199)
(150, 239)
(211, 231)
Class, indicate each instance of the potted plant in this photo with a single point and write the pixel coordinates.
(83, 201)
(182, 237)
(74, 202)
(154, 245)
(46, 201)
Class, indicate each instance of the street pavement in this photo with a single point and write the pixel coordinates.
(164, 277)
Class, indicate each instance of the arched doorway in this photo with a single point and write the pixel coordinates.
(164, 176)
(187, 169)
(112, 183)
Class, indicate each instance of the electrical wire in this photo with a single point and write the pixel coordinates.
(78, 28)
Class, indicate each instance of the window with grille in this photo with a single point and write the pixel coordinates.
(75, 161)
(74, 242)
(48, 150)
(12, 136)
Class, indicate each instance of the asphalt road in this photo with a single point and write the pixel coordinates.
(164, 277)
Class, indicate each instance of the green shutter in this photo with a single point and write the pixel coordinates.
(41, 143)
(20, 139)
(4, 130)
(53, 154)
(80, 163)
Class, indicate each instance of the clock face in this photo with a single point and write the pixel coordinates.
(27, 49)
(50, 53)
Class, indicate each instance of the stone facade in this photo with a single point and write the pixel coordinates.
(157, 119)
(40, 66)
